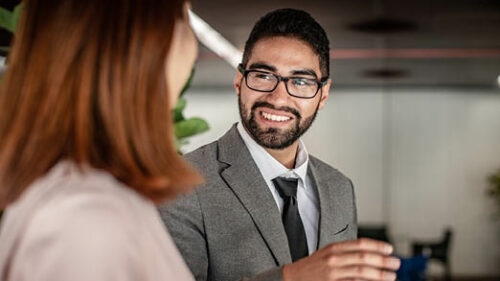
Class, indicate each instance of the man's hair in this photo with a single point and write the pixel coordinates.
(294, 24)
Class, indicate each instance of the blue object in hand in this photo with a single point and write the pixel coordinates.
(412, 269)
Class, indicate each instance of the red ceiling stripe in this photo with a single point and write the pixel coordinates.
(399, 53)
(413, 53)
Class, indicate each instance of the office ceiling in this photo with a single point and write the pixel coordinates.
(376, 42)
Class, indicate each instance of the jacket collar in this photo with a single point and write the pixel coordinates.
(247, 183)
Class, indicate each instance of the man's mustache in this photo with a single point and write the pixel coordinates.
(283, 108)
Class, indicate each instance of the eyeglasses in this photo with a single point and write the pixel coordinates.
(299, 87)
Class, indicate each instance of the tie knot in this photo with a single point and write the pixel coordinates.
(287, 187)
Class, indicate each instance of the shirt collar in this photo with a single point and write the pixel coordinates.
(271, 168)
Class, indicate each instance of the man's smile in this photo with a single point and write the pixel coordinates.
(274, 116)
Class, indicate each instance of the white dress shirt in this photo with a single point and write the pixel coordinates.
(270, 168)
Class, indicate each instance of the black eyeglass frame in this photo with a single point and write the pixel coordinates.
(321, 83)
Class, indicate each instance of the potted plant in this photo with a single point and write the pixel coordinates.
(494, 189)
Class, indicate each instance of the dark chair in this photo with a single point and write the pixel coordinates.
(436, 250)
(378, 232)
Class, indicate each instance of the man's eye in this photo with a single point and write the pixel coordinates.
(302, 82)
(263, 76)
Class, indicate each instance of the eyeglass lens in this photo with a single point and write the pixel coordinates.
(296, 86)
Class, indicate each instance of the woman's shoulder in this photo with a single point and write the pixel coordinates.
(81, 199)
(76, 202)
(78, 219)
(88, 196)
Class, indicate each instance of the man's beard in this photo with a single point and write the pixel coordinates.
(274, 138)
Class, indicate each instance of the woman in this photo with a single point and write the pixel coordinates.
(86, 141)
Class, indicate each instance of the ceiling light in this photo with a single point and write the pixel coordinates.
(214, 41)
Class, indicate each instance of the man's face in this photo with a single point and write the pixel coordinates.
(275, 119)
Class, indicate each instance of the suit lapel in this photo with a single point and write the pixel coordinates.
(330, 221)
(244, 178)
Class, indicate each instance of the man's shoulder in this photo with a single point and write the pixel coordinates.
(324, 169)
(207, 151)
(208, 160)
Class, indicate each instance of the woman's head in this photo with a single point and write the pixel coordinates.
(94, 82)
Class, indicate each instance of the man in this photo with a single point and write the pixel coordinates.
(268, 210)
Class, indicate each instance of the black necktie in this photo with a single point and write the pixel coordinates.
(287, 188)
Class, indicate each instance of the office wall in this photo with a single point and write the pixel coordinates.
(418, 158)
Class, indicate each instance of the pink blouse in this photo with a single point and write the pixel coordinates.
(85, 225)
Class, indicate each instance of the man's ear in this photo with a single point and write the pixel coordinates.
(237, 82)
(325, 92)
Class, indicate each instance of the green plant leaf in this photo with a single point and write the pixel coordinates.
(6, 19)
(494, 189)
(190, 127)
(15, 16)
(181, 104)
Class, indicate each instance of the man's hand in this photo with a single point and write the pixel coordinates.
(362, 259)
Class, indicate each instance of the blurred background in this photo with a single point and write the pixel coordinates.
(413, 117)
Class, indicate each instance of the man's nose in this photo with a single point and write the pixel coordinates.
(280, 94)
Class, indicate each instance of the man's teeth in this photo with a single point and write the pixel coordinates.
(273, 117)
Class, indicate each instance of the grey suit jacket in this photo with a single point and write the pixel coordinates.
(231, 229)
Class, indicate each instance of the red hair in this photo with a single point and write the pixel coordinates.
(86, 81)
